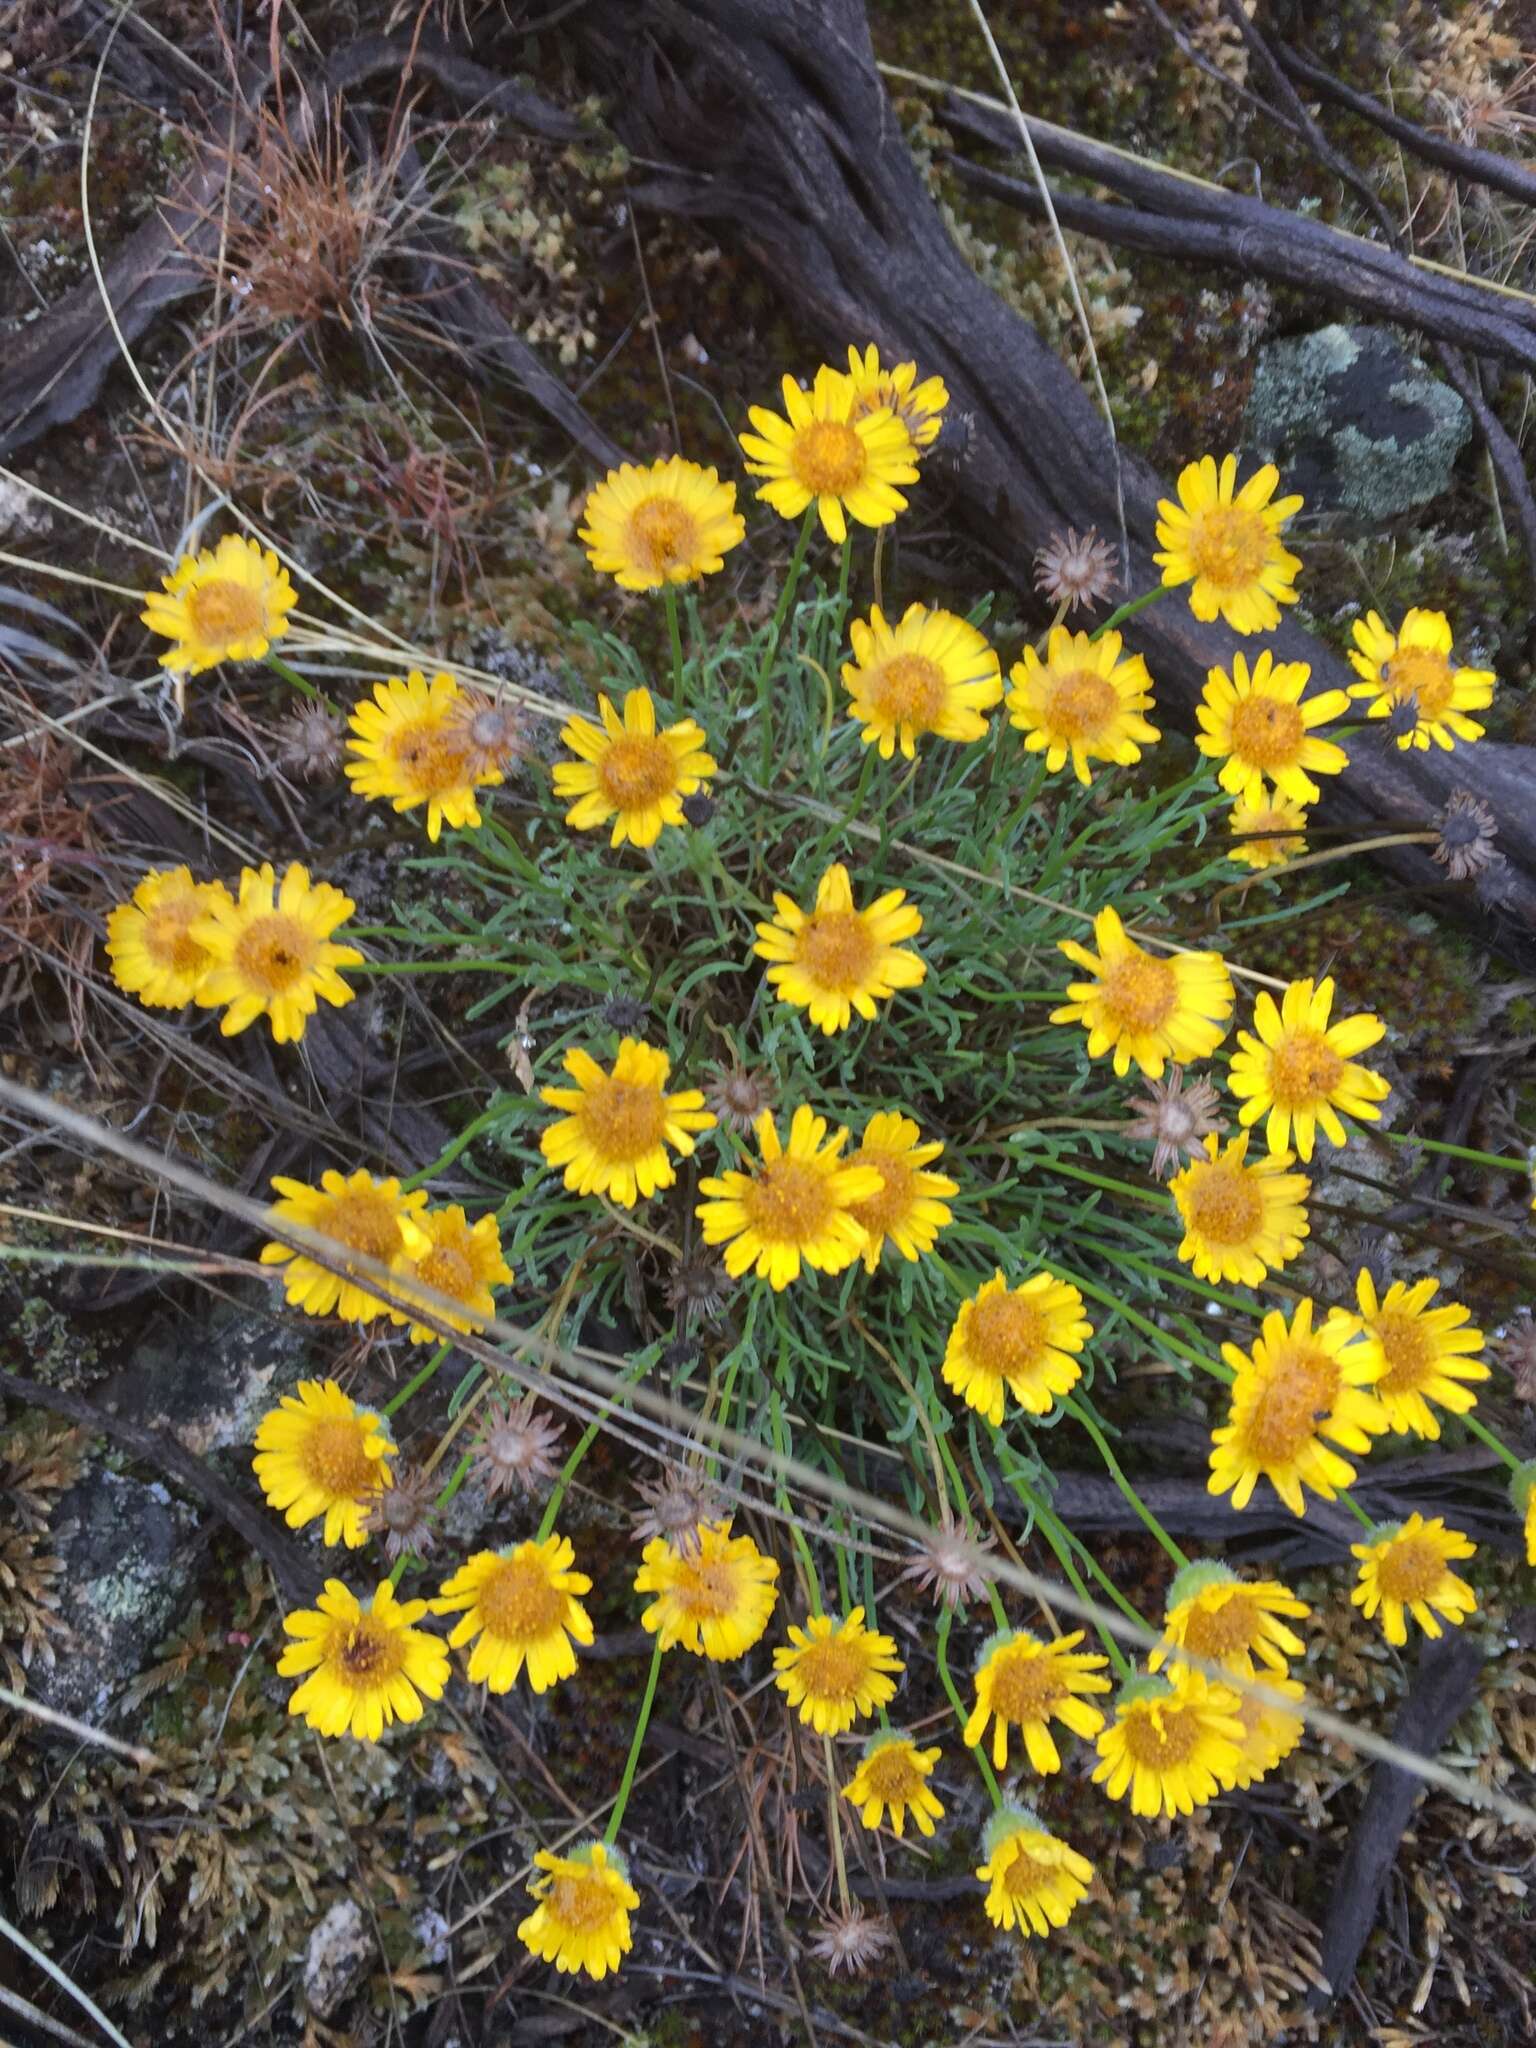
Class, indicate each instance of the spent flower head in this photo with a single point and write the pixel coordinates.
(853, 1941)
(677, 1503)
(1075, 569)
(516, 1449)
(1174, 1119)
(1467, 831)
(953, 1566)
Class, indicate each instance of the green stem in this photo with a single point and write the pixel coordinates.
(584, 1444)
(460, 1474)
(946, 1620)
(631, 1762)
(775, 633)
(842, 580)
(675, 635)
(455, 1146)
(786, 1508)
(1130, 609)
(1357, 1511)
(1056, 1535)
(1519, 1166)
(835, 1825)
(420, 1380)
(1081, 1415)
(1486, 1436)
(300, 683)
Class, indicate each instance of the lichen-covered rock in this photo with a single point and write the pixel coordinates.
(1355, 422)
(209, 1384)
(340, 1950)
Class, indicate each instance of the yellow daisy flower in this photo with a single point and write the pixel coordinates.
(716, 1600)
(919, 406)
(613, 1139)
(934, 672)
(1425, 1354)
(1301, 1070)
(797, 1206)
(1031, 1878)
(368, 1665)
(670, 522)
(1142, 1007)
(463, 1260)
(1256, 723)
(409, 748)
(1297, 1392)
(150, 946)
(1522, 1494)
(318, 1453)
(1175, 1742)
(1241, 1221)
(909, 1211)
(1026, 1684)
(227, 603)
(581, 1921)
(1406, 1569)
(1082, 701)
(271, 953)
(1268, 833)
(893, 1773)
(375, 1218)
(1027, 1339)
(820, 453)
(629, 771)
(834, 959)
(1227, 543)
(519, 1607)
(834, 1673)
(1414, 667)
(1214, 1614)
(1269, 1733)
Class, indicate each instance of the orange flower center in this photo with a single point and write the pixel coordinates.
(222, 611)
(1409, 1362)
(1411, 1569)
(1225, 1203)
(1007, 1334)
(834, 1669)
(909, 689)
(1298, 1394)
(449, 1268)
(1139, 991)
(167, 940)
(273, 952)
(581, 1900)
(1420, 673)
(364, 1221)
(518, 1601)
(1025, 1687)
(1025, 1876)
(428, 756)
(1305, 1069)
(882, 1213)
(368, 1653)
(334, 1458)
(1215, 1632)
(624, 1119)
(1080, 704)
(787, 1202)
(1228, 545)
(836, 948)
(1267, 733)
(708, 1589)
(637, 771)
(891, 1775)
(828, 458)
(661, 534)
(1162, 1737)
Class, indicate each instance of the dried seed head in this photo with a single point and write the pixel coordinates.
(675, 1505)
(516, 1449)
(1403, 718)
(739, 1095)
(310, 742)
(698, 808)
(626, 1015)
(697, 1288)
(954, 1567)
(1517, 1351)
(404, 1515)
(1075, 569)
(1467, 831)
(851, 1941)
(1494, 882)
(1174, 1119)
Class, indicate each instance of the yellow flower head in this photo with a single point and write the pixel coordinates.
(1214, 1614)
(1268, 833)
(629, 771)
(670, 522)
(581, 1922)
(409, 747)
(271, 953)
(1425, 1354)
(614, 1136)
(464, 1261)
(714, 1599)
(919, 406)
(1257, 724)
(933, 673)
(893, 1773)
(368, 1665)
(1241, 1219)
(227, 603)
(1522, 1494)
(1406, 1569)
(1301, 1070)
(318, 1453)
(519, 1607)
(1227, 543)
(835, 1672)
(1269, 1733)
(375, 1218)
(1028, 1339)
(1142, 1006)
(909, 1211)
(1297, 1392)
(1032, 1879)
(1026, 1684)
(1414, 667)
(797, 1206)
(149, 938)
(1083, 701)
(820, 453)
(1174, 1743)
(834, 959)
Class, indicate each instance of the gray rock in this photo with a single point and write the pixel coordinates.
(1355, 422)
(210, 1383)
(339, 1952)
